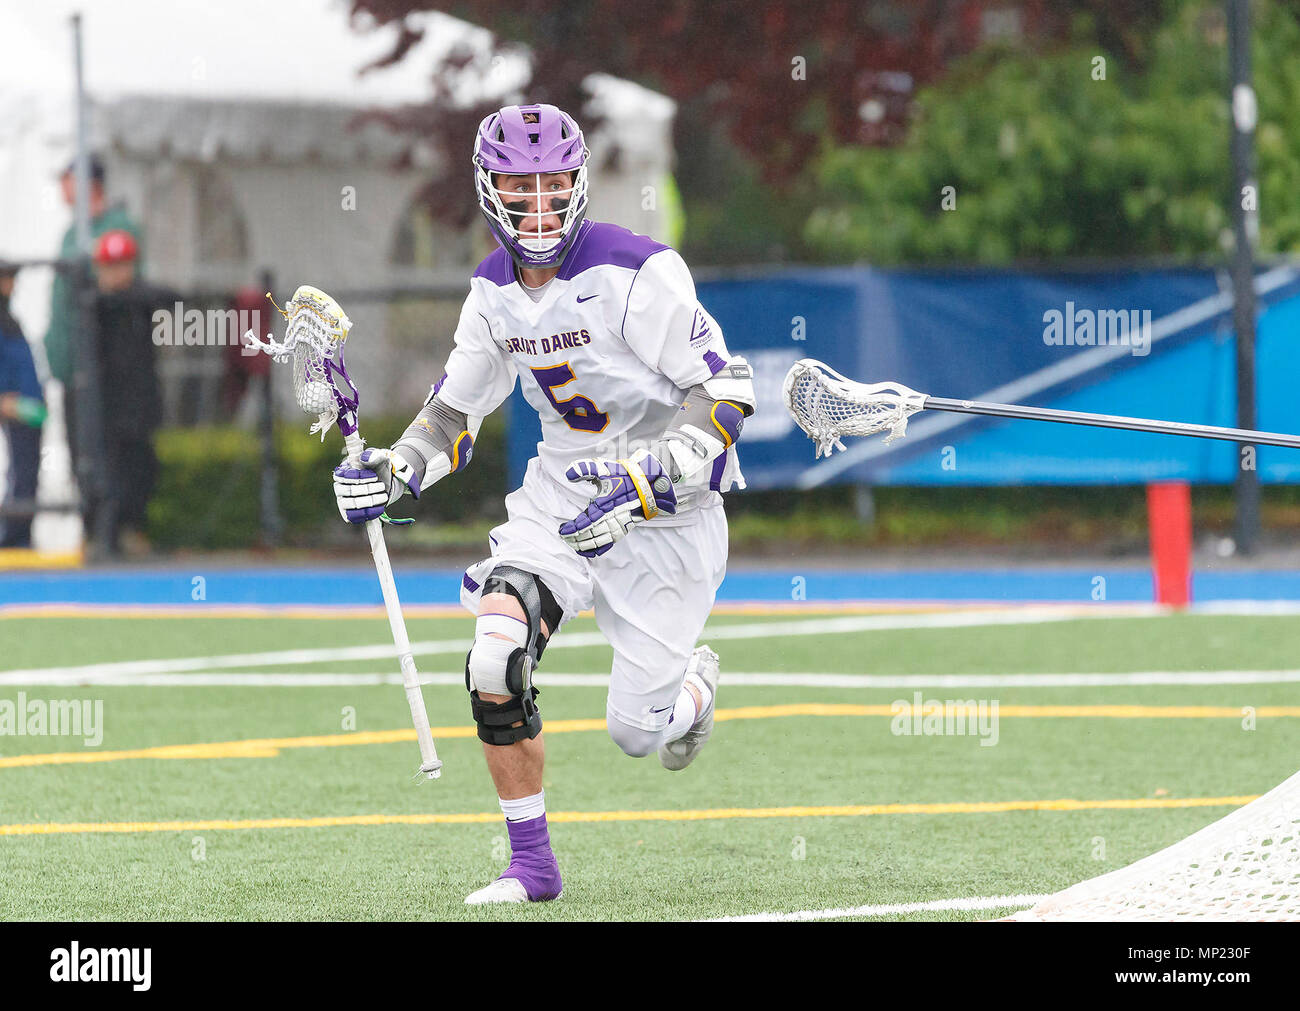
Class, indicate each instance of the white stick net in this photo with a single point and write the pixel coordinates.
(317, 327)
(827, 406)
(1245, 866)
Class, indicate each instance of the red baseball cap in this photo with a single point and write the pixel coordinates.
(117, 246)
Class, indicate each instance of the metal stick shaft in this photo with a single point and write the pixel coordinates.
(429, 762)
(1112, 421)
(81, 161)
(410, 677)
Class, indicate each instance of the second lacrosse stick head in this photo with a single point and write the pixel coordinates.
(827, 405)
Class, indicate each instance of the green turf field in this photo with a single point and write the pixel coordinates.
(633, 841)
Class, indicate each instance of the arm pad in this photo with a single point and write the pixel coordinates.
(440, 441)
(708, 423)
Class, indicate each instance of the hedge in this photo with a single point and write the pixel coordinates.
(208, 494)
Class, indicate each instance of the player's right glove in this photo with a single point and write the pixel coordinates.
(364, 493)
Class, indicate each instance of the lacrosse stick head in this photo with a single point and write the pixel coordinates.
(315, 332)
(827, 406)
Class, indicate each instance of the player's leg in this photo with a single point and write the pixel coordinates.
(653, 596)
(692, 727)
(521, 596)
(640, 726)
(516, 616)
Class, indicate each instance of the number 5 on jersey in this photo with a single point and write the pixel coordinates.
(578, 412)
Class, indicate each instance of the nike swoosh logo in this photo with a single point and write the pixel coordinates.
(586, 298)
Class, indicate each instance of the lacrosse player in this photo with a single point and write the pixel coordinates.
(641, 405)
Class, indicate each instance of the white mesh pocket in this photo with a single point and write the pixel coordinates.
(827, 406)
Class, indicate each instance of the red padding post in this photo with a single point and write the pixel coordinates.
(1169, 516)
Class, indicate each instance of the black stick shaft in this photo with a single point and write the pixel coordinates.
(1245, 226)
(1112, 421)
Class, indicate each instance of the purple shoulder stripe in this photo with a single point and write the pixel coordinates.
(497, 268)
(601, 243)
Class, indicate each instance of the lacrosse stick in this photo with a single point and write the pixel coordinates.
(828, 406)
(314, 336)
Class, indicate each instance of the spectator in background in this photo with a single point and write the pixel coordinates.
(22, 413)
(60, 347)
(240, 368)
(132, 402)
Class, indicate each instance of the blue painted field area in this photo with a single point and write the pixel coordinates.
(356, 585)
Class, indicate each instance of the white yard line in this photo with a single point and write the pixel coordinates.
(1249, 608)
(101, 672)
(109, 672)
(892, 909)
(733, 679)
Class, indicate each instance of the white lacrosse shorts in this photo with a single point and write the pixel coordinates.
(652, 591)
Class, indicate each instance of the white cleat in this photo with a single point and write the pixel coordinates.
(500, 890)
(703, 667)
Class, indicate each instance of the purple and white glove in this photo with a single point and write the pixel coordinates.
(627, 491)
(363, 493)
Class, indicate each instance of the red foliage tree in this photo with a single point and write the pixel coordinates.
(778, 77)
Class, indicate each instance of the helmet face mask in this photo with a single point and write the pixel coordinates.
(535, 143)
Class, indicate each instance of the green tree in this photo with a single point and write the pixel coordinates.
(1046, 158)
(760, 87)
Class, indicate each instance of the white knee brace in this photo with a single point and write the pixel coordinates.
(488, 663)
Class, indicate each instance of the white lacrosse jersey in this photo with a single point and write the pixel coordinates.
(605, 355)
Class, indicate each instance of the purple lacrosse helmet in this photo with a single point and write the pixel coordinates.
(532, 141)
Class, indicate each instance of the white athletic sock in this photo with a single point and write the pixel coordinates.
(684, 714)
(525, 808)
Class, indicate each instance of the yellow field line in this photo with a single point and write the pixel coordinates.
(26, 558)
(269, 747)
(576, 817)
(266, 747)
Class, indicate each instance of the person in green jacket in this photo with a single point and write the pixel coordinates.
(60, 348)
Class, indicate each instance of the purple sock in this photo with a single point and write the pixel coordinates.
(531, 859)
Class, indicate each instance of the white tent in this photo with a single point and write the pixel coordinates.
(264, 92)
(229, 131)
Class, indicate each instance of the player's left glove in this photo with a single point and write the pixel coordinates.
(627, 491)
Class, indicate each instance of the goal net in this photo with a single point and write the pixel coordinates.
(1245, 866)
